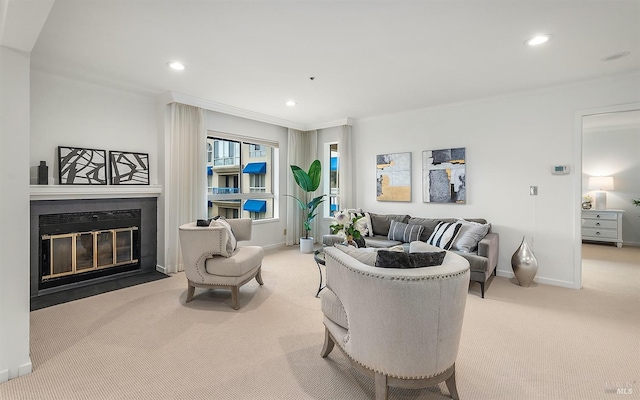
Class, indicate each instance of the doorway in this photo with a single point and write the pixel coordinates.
(608, 140)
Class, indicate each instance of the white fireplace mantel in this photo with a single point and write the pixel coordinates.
(77, 192)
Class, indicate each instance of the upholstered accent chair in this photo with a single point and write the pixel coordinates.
(212, 260)
(401, 327)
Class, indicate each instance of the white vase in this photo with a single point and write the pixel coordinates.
(306, 245)
(524, 264)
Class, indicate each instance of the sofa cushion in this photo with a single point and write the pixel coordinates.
(396, 259)
(404, 232)
(366, 255)
(332, 308)
(381, 241)
(470, 234)
(444, 234)
(380, 223)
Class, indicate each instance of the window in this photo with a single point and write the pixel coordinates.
(240, 177)
(332, 178)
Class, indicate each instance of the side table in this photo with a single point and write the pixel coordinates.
(318, 257)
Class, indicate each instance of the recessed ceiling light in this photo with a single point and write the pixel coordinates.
(616, 56)
(538, 40)
(290, 103)
(177, 65)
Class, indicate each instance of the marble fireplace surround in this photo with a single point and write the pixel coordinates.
(58, 199)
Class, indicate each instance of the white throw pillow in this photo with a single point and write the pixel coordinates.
(469, 236)
(365, 220)
(231, 242)
(444, 234)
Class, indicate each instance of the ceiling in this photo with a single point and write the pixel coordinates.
(367, 57)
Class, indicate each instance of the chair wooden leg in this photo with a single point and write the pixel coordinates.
(382, 390)
(328, 344)
(234, 297)
(190, 291)
(259, 276)
(482, 289)
(451, 385)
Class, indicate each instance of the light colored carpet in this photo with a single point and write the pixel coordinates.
(144, 342)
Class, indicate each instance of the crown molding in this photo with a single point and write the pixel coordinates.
(173, 97)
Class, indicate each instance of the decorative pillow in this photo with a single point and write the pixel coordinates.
(444, 234)
(396, 259)
(366, 255)
(470, 234)
(404, 232)
(365, 220)
(231, 243)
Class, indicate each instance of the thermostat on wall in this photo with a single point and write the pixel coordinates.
(560, 170)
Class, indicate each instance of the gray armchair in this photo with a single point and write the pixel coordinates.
(401, 327)
(211, 264)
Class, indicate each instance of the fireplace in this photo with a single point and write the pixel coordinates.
(81, 242)
(80, 246)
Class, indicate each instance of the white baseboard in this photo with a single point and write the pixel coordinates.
(541, 279)
(162, 269)
(274, 246)
(25, 369)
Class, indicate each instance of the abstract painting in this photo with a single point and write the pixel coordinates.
(129, 168)
(444, 177)
(393, 177)
(79, 166)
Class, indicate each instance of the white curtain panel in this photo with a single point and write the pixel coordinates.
(346, 169)
(186, 189)
(302, 150)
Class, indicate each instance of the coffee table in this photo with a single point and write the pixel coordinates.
(318, 257)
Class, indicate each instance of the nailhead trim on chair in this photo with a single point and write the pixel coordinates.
(380, 372)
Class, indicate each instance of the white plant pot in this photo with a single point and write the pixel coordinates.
(306, 245)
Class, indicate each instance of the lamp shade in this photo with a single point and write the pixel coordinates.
(601, 183)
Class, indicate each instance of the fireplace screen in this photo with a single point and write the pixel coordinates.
(78, 252)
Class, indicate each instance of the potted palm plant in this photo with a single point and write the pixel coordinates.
(308, 182)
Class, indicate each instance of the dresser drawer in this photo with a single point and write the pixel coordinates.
(599, 233)
(599, 224)
(595, 215)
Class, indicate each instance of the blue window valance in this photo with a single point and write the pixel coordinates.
(255, 168)
(255, 206)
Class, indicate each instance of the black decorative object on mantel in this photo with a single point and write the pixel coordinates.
(43, 173)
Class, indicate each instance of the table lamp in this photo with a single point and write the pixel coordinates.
(600, 184)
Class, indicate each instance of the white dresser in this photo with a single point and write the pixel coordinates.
(602, 226)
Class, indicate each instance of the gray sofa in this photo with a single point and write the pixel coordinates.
(483, 260)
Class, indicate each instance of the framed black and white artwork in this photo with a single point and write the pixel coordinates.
(444, 176)
(129, 168)
(80, 166)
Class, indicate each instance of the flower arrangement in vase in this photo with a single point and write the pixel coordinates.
(587, 202)
(349, 227)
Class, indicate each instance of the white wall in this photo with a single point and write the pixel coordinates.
(615, 152)
(14, 214)
(67, 112)
(268, 233)
(511, 143)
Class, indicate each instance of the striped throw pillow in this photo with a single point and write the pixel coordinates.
(444, 234)
(404, 232)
